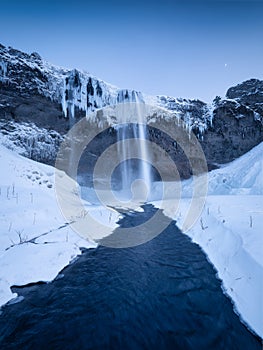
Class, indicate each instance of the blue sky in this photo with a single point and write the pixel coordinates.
(192, 49)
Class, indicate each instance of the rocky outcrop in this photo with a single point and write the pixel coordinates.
(226, 129)
(45, 100)
(250, 94)
(236, 129)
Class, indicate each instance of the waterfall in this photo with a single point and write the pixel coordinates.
(132, 145)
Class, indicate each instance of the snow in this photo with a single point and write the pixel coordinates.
(229, 230)
(36, 241)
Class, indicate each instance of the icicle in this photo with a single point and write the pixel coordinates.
(3, 71)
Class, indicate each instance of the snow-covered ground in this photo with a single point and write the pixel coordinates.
(229, 230)
(36, 241)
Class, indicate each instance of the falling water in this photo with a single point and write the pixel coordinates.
(145, 168)
(131, 134)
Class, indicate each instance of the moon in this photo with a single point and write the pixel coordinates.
(226, 65)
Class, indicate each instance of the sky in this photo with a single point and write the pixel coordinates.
(181, 48)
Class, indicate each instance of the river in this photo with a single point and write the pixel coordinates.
(163, 294)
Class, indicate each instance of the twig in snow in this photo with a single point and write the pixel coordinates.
(21, 238)
(250, 221)
(238, 278)
(202, 225)
(7, 192)
(13, 244)
(25, 240)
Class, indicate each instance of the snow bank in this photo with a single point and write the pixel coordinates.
(36, 241)
(242, 176)
(229, 231)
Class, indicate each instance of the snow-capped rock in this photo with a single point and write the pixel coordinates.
(35, 92)
(78, 90)
(30, 141)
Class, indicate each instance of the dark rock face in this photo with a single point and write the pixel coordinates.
(234, 131)
(172, 149)
(32, 124)
(30, 107)
(235, 127)
(19, 76)
(249, 93)
(44, 101)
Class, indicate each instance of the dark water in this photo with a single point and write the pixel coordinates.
(160, 295)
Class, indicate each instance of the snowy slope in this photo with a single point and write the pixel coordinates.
(36, 241)
(242, 176)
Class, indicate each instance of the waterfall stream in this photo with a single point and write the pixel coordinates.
(135, 167)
